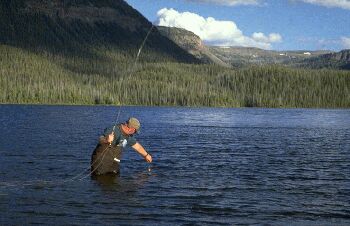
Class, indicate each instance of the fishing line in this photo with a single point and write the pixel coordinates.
(140, 49)
(83, 173)
(56, 182)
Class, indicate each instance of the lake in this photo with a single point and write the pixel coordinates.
(212, 166)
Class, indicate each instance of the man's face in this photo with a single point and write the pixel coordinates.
(130, 130)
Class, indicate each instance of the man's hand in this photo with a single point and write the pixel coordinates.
(110, 138)
(148, 158)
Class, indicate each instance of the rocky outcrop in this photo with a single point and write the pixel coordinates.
(186, 39)
(191, 43)
(343, 56)
(243, 56)
(338, 60)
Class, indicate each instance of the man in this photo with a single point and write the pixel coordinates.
(106, 156)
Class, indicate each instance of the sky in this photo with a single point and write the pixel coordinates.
(267, 24)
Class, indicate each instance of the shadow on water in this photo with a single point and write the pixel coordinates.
(117, 182)
(107, 180)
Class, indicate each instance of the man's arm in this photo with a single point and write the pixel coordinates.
(138, 147)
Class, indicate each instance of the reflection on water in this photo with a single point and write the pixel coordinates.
(211, 166)
(115, 181)
(108, 180)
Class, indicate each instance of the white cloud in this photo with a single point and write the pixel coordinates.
(229, 2)
(345, 4)
(217, 32)
(345, 41)
(261, 37)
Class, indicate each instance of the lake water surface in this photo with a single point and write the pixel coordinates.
(212, 166)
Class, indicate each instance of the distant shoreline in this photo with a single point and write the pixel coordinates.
(163, 106)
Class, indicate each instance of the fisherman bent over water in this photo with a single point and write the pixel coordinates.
(106, 156)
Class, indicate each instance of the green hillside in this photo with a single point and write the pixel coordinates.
(26, 77)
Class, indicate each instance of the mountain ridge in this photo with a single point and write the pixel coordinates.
(238, 56)
(76, 26)
(337, 60)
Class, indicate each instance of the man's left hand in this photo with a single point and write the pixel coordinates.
(148, 158)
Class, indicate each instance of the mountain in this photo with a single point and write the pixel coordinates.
(231, 56)
(339, 60)
(91, 28)
(78, 26)
(191, 43)
(243, 56)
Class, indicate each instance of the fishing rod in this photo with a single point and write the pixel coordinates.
(133, 67)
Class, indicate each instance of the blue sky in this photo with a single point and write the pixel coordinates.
(268, 24)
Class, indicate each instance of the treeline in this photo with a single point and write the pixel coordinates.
(45, 78)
